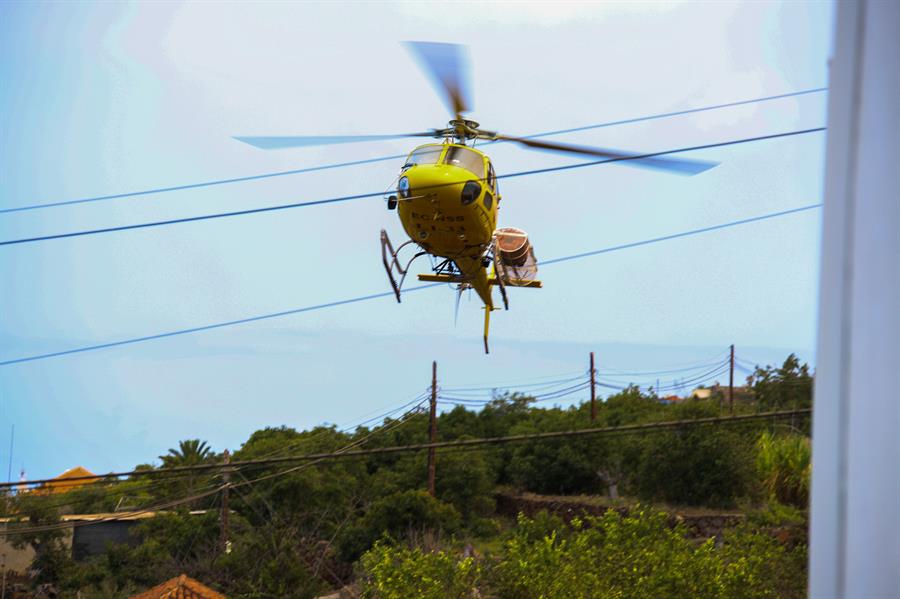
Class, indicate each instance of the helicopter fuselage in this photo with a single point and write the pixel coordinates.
(447, 202)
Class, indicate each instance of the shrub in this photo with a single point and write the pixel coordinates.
(635, 556)
(783, 463)
(397, 516)
(400, 572)
(698, 466)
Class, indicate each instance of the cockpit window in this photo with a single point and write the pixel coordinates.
(424, 155)
(464, 157)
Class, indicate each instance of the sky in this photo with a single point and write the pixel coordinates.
(106, 98)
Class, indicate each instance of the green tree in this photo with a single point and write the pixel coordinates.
(694, 466)
(189, 453)
(38, 518)
(787, 387)
(403, 515)
(465, 481)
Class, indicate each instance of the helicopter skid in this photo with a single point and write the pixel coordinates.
(389, 257)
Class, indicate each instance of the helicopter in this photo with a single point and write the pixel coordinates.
(447, 197)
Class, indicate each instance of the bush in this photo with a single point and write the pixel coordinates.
(636, 556)
(466, 481)
(400, 573)
(708, 466)
(783, 463)
(397, 516)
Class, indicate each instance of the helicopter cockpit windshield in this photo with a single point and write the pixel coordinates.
(465, 158)
(429, 154)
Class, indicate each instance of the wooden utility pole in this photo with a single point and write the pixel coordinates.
(432, 432)
(223, 515)
(593, 390)
(731, 381)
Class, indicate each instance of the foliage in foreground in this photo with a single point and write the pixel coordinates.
(613, 556)
(402, 572)
(784, 466)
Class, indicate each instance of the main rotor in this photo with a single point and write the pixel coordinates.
(447, 66)
(463, 130)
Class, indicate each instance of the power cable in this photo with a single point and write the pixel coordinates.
(248, 211)
(160, 190)
(506, 387)
(205, 493)
(634, 244)
(699, 378)
(536, 398)
(608, 371)
(525, 390)
(373, 296)
(418, 401)
(177, 471)
(349, 452)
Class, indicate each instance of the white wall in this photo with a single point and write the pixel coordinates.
(855, 528)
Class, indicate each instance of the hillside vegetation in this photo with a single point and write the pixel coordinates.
(302, 529)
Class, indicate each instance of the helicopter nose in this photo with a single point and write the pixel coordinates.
(432, 181)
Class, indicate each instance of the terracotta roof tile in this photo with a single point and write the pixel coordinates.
(181, 587)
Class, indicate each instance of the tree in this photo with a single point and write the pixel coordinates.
(399, 516)
(787, 387)
(189, 453)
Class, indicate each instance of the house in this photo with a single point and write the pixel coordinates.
(181, 587)
(89, 535)
(71, 479)
(721, 392)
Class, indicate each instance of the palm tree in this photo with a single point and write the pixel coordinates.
(189, 453)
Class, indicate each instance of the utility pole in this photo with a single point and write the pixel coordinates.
(223, 516)
(593, 390)
(731, 381)
(432, 433)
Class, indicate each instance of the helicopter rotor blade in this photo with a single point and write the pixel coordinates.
(682, 166)
(447, 65)
(277, 142)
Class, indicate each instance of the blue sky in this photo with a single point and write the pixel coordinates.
(107, 98)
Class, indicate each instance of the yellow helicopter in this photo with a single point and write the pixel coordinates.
(447, 195)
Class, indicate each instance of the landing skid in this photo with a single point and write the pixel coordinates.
(393, 264)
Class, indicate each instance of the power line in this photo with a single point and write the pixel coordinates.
(716, 359)
(162, 478)
(278, 207)
(210, 327)
(205, 492)
(373, 296)
(681, 112)
(216, 182)
(624, 246)
(699, 378)
(720, 144)
(554, 394)
(532, 387)
(625, 428)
